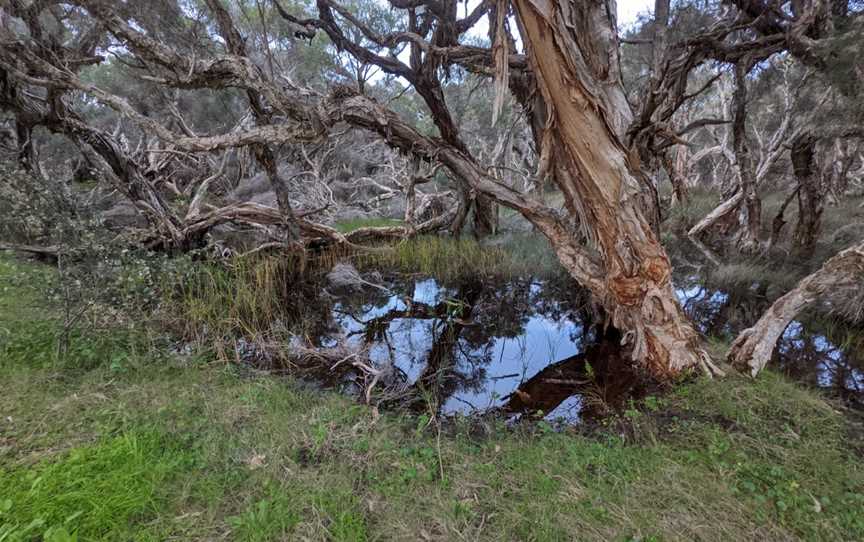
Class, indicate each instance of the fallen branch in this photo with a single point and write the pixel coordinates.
(843, 273)
(50, 252)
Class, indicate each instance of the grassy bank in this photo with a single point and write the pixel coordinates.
(123, 439)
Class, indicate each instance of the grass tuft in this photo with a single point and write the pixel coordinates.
(448, 258)
(271, 518)
(685, 215)
(745, 278)
(244, 298)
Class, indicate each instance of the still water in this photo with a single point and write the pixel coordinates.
(534, 347)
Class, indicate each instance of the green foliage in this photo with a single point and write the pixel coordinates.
(246, 297)
(260, 296)
(344, 520)
(441, 257)
(136, 282)
(36, 211)
(174, 450)
(685, 215)
(779, 428)
(743, 278)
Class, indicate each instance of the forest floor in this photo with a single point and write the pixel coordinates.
(129, 440)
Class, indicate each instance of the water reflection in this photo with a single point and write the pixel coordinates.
(532, 346)
(470, 347)
(811, 357)
(816, 350)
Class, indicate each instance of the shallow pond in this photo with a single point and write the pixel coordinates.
(817, 351)
(534, 347)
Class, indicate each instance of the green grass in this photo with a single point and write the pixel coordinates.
(743, 278)
(348, 226)
(449, 258)
(179, 448)
(683, 216)
(242, 297)
(91, 491)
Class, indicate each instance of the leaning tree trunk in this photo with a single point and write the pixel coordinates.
(265, 156)
(753, 348)
(810, 196)
(27, 148)
(571, 46)
(780, 221)
(722, 215)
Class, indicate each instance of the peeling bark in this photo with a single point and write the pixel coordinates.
(749, 176)
(721, 213)
(485, 216)
(462, 210)
(574, 56)
(263, 153)
(572, 50)
(753, 348)
(678, 173)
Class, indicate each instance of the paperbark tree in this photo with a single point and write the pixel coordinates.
(586, 112)
(751, 211)
(581, 121)
(572, 47)
(421, 71)
(742, 209)
(265, 156)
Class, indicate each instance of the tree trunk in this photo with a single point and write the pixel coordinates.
(411, 196)
(779, 221)
(810, 196)
(572, 49)
(265, 157)
(26, 148)
(485, 216)
(720, 215)
(462, 210)
(753, 348)
(751, 211)
(678, 176)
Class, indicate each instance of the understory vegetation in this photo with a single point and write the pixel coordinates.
(127, 438)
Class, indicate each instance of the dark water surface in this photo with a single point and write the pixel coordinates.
(534, 347)
(817, 351)
(526, 345)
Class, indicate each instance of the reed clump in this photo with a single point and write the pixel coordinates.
(449, 258)
(244, 297)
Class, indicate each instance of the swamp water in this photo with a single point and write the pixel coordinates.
(534, 347)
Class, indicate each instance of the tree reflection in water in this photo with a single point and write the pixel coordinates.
(529, 346)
